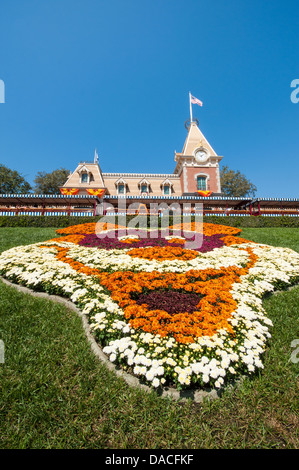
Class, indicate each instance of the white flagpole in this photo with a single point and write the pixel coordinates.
(96, 159)
(191, 117)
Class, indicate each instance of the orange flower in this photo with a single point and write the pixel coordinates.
(163, 252)
(69, 238)
(88, 228)
(129, 240)
(231, 240)
(206, 228)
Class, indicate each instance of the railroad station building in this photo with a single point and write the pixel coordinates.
(194, 179)
(195, 169)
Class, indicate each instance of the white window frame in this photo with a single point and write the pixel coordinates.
(146, 183)
(202, 175)
(124, 183)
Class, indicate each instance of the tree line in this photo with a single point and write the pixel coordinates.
(12, 182)
(233, 182)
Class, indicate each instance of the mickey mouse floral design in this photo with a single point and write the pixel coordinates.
(171, 315)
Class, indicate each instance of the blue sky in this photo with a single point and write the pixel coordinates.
(116, 74)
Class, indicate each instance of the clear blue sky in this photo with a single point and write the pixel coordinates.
(116, 74)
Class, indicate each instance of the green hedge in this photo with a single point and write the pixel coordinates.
(42, 221)
(65, 221)
(254, 221)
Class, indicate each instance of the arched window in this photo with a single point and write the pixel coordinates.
(201, 183)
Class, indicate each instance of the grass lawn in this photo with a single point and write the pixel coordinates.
(278, 236)
(55, 394)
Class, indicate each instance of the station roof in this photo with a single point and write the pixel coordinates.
(211, 200)
(275, 202)
(220, 201)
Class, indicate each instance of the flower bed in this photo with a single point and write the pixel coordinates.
(169, 314)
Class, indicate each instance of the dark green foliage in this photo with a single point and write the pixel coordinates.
(254, 221)
(234, 184)
(49, 183)
(42, 221)
(66, 221)
(12, 182)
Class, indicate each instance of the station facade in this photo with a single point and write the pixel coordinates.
(196, 172)
(194, 182)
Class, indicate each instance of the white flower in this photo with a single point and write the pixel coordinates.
(160, 370)
(156, 382)
(150, 375)
(205, 378)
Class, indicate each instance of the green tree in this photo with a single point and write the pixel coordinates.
(234, 184)
(49, 183)
(12, 182)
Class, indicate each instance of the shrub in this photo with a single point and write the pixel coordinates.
(66, 221)
(42, 221)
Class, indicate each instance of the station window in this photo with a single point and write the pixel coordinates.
(121, 189)
(201, 183)
(84, 178)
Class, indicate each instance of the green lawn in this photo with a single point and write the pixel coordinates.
(278, 236)
(11, 236)
(55, 394)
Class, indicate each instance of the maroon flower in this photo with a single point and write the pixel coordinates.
(170, 301)
(107, 243)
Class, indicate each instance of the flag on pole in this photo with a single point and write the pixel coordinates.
(195, 100)
(96, 157)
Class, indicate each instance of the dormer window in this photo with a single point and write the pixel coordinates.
(166, 187)
(84, 178)
(85, 175)
(144, 186)
(121, 186)
(121, 189)
(166, 190)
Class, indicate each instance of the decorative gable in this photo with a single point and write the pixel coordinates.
(93, 178)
